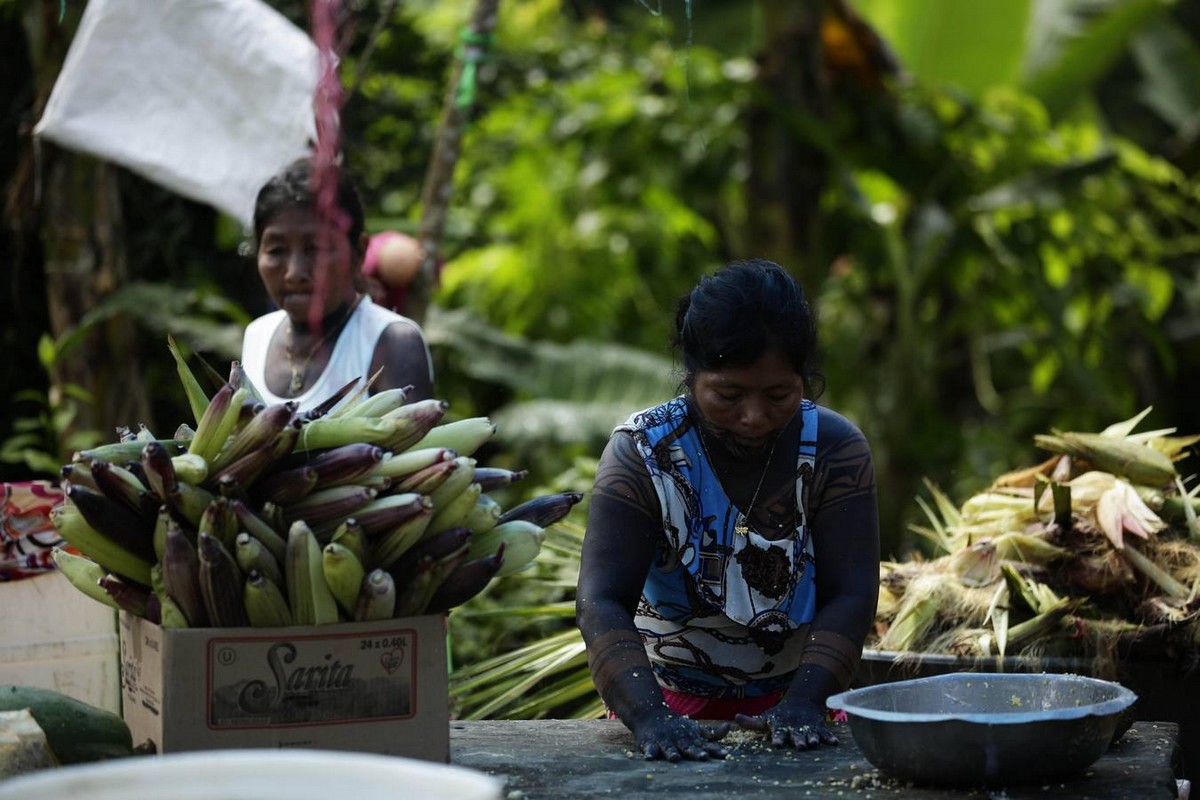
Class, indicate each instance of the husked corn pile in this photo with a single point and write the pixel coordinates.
(1094, 553)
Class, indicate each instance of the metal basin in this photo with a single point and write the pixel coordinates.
(985, 728)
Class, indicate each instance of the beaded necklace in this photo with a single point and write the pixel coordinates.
(741, 526)
(299, 371)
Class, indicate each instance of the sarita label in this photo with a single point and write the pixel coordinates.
(274, 682)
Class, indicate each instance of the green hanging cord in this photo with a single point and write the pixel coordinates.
(687, 57)
(473, 52)
(687, 52)
(62, 11)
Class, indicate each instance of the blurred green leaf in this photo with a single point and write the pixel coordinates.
(1093, 34)
(562, 393)
(47, 352)
(1170, 63)
(207, 322)
(969, 46)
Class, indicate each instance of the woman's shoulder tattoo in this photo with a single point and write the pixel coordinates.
(847, 470)
(622, 476)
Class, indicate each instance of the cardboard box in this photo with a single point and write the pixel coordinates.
(372, 687)
(54, 636)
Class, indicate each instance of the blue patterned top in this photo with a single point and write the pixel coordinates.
(723, 613)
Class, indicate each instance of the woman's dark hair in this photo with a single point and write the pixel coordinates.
(294, 186)
(739, 313)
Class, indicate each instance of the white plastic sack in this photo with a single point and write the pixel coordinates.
(208, 98)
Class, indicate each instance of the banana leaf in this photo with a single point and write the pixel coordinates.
(564, 393)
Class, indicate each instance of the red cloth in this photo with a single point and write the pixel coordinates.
(717, 708)
(687, 705)
(26, 534)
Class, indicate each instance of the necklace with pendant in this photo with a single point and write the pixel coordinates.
(300, 370)
(741, 526)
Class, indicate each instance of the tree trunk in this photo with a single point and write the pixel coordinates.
(65, 214)
(23, 297)
(787, 171)
(85, 260)
(801, 88)
(439, 179)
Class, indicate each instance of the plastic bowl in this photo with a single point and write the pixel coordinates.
(255, 775)
(982, 728)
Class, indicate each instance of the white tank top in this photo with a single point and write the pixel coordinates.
(351, 357)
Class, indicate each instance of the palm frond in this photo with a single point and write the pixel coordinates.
(208, 323)
(559, 610)
(528, 677)
(523, 690)
(576, 685)
(943, 516)
(469, 676)
(548, 676)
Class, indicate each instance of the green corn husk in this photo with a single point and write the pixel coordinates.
(1184, 507)
(1029, 548)
(916, 613)
(196, 396)
(1044, 624)
(1033, 594)
(935, 600)
(1135, 462)
(1099, 551)
(1153, 572)
(896, 575)
(981, 643)
(1175, 508)
(943, 516)
(1027, 477)
(887, 604)
(1009, 504)
(976, 564)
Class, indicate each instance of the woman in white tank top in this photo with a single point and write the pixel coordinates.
(327, 332)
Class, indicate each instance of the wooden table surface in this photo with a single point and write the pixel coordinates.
(569, 759)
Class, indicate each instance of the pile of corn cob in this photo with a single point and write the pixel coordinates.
(366, 508)
(1094, 553)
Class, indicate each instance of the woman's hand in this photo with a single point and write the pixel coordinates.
(800, 725)
(673, 737)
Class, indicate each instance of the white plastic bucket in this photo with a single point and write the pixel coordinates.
(53, 636)
(256, 775)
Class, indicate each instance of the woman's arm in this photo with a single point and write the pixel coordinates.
(404, 358)
(623, 522)
(845, 529)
